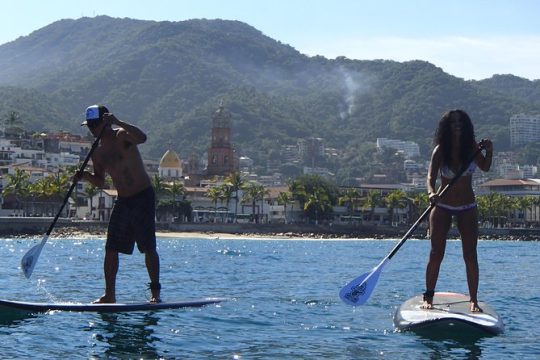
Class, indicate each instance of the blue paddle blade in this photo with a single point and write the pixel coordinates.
(358, 291)
(30, 259)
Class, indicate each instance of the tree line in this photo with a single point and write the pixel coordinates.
(315, 196)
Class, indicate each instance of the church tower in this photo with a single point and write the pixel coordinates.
(221, 159)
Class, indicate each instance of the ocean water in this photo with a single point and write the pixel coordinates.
(282, 301)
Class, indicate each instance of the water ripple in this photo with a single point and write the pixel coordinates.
(282, 301)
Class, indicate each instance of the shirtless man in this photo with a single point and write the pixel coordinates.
(133, 217)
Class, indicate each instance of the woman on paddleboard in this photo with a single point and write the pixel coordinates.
(454, 145)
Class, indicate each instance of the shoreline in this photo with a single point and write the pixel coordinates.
(74, 232)
(35, 227)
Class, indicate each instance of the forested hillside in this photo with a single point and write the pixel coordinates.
(169, 77)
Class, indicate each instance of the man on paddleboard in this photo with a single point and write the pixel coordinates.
(133, 216)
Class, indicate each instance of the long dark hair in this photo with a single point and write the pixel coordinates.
(443, 136)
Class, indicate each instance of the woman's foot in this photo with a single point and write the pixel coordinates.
(428, 300)
(475, 307)
(105, 299)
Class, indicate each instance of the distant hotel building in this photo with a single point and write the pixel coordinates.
(524, 129)
(311, 150)
(409, 148)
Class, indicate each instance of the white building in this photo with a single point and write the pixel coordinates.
(524, 128)
(409, 148)
(54, 161)
(102, 205)
(170, 166)
(324, 172)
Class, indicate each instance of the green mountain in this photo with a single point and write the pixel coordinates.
(169, 77)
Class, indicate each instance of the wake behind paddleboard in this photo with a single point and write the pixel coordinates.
(34, 307)
(450, 313)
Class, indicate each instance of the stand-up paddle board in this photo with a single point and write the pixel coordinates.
(34, 307)
(451, 312)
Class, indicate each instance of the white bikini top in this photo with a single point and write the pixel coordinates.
(448, 173)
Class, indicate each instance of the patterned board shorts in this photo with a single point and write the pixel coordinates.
(133, 220)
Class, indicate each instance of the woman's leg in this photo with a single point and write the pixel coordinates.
(468, 228)
(439, 224)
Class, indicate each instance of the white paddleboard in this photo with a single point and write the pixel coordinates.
(34, 307)
(451, 312)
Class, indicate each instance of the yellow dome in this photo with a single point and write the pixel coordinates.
(170, 160)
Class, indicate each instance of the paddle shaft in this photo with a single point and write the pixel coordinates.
(432, 205)
(74, 183)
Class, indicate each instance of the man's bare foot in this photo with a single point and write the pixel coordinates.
(475, 307)
(428, 300)
(155, 288)
(105, 299)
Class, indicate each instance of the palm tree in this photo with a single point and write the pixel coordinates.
(90, 191)
(318, 201)
(372, 200)
(283, 199)
(493, 206)
(349, 198)
(176, 190)
(226, 192)
(235, 181)
(214, 194)
(262, 192)
(251, 193)
(159, 187)
(395, 200)
(298, 193)
(420, 201)
(12, 119)
(18, 185)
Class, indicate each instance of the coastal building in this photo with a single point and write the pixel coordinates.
(101, 205)
(524, 128)
(410, 149)
(311, 151)
(170, 166)
(323, 172)
(517, 187)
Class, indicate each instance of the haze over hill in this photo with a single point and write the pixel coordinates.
(169, 77)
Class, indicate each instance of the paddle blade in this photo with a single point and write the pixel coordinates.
(358, 291)
(30, 259)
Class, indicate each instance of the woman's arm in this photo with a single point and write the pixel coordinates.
(483, 161)
(433, 172)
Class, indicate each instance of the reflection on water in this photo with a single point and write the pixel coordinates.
(125, 335)
(448, 344)
(12, 316)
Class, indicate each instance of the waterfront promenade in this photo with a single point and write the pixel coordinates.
(34, 226)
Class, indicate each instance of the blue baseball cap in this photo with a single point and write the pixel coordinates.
(94, 113)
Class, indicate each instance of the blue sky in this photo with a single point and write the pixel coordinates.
(471, 39)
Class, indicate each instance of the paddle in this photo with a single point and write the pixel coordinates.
(358, 291)
(29, 259)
